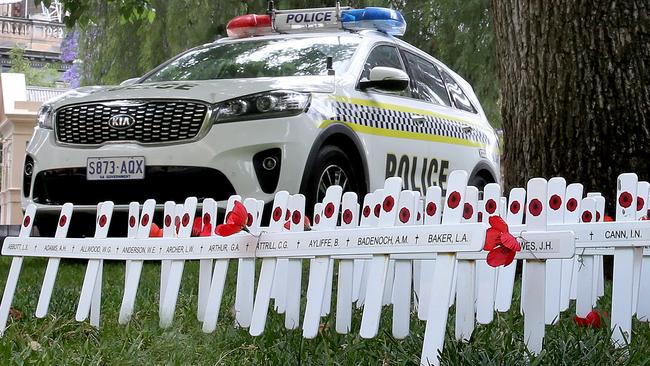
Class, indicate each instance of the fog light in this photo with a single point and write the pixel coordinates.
(28, 171)
(269, 163)
(29, 168)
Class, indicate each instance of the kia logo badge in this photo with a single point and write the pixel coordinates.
(121, 121)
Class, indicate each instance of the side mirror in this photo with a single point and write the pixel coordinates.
(130, 81)
(386, 78)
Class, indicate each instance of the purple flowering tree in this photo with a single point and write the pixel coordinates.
(69, 53)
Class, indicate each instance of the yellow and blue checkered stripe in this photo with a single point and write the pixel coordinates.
(367, 116)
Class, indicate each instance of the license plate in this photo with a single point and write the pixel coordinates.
(114, 168)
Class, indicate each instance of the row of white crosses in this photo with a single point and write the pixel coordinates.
(624, 239)
(558, 285)
(378, 261)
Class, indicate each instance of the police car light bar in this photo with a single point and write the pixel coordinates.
(249, 25)
(290, 21)
(382, 19)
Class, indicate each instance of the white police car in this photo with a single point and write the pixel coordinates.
(297, 100)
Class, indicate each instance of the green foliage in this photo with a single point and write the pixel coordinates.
(60, 340)
(79, 12)
(457, 32)
(45, 76)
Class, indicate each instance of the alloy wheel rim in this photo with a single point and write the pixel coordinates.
(332, 175)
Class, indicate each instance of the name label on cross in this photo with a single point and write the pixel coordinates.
(602, 234)
(537, 245)
(407, 240)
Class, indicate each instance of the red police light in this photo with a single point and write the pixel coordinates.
(249, 25)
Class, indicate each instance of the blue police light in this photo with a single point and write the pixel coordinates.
(382, 19)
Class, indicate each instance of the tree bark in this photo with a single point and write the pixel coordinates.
(575, 86)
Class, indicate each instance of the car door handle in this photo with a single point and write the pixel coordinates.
(418, 118)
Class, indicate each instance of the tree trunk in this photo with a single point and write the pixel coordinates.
(575, 84)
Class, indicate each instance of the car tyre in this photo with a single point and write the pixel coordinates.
(332, 167)
(479, 181)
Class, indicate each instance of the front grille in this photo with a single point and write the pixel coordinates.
(155, 122)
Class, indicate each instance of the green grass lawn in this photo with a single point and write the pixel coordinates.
(60, 340)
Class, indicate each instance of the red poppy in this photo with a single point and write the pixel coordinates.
(197, 226)
(186, 219)
(591, 320)
(479, 217)
(102, 220)
(608, 218)
(145, 220)
(639, 203)
(404, 215)
(316, 219)
(29, 219)
(555, 202)
(200, 227)
(249, 219)
(468, 211)
(498, 234)
(306, 225)
(572, 204)
(419, 217)
(500, 256)
(389, 202)
(287, 214)
(535, 207)
(132, 221)
(15, 313)
(515, 206)
(207, 230)
(597, 216)
(63, 220)
(490, 206)
(431, 208)
(347, 216)
(377, 210)
(236, 221)
(625, 199)
(586, 216)
(453, 200)
(168, 220)
(177, 223)
(277, 214)
(502, 246)
(296, 217)
(329, 210)
(155, 231)
(366, 211)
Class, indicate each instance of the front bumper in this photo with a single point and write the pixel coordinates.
(216, 166)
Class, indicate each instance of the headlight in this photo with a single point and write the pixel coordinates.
(271, 104)
(46, 117)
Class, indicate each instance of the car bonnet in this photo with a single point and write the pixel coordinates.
(210, 91)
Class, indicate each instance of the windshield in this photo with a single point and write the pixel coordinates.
(259, 58)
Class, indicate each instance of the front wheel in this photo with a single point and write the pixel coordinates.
(332, 167)
(479, 181)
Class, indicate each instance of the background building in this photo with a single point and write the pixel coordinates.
(37, 29)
